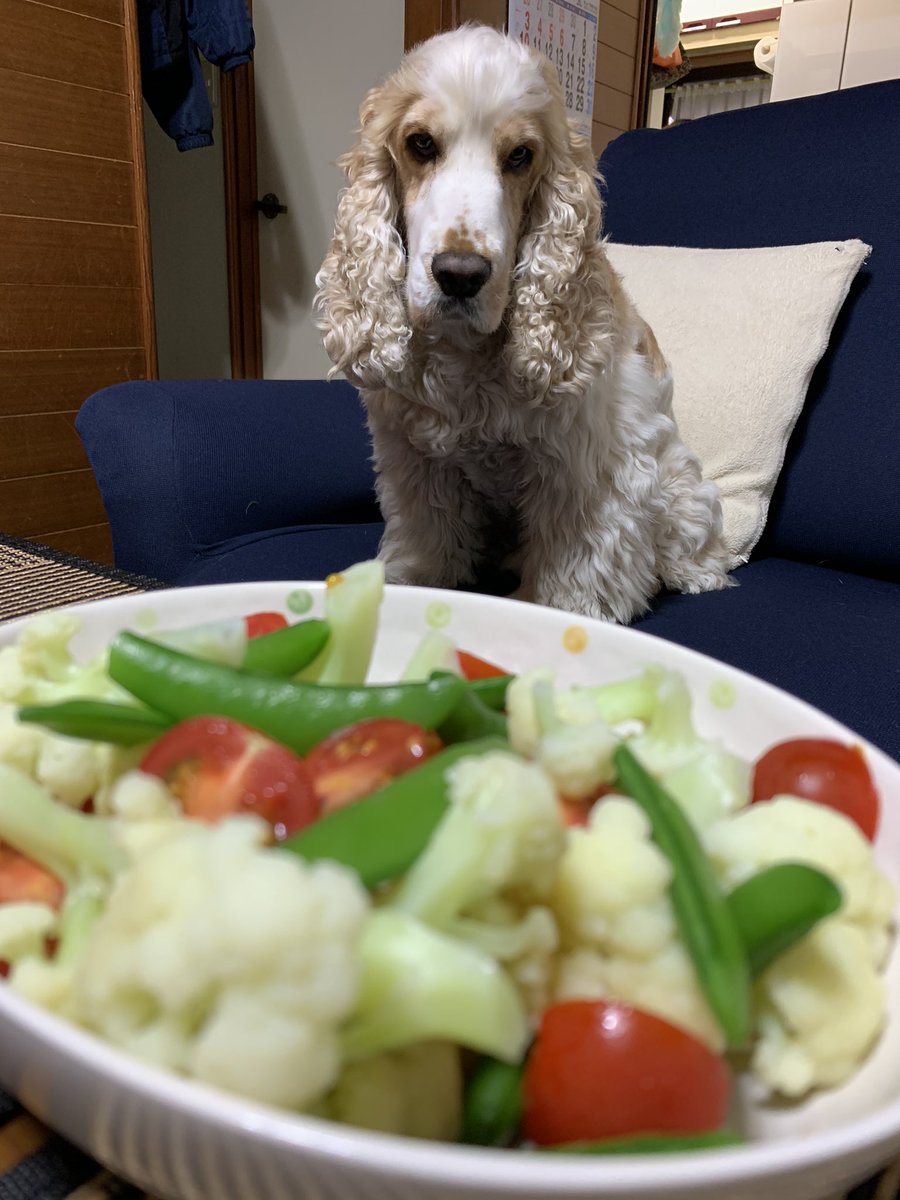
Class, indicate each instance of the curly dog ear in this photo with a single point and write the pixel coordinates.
(360, 283)
(562, 319)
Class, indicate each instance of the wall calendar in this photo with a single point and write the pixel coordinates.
(567, 34)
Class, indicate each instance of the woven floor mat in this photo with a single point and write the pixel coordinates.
(34, 578)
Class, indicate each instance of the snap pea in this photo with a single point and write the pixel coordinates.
(654, 1143)
(286, 651)
(704, 918)
(470, 718)
(492, 1106)
(492, 690)
(299, 715)
(381, 835)
(98, 721)
(779, 905)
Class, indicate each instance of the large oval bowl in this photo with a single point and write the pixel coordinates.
(183, 1141)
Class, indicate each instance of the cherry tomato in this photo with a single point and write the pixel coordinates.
(599, 1069)
(216, 766)
(23, 879)
(473, 667)
(358, 760)
(264, 622)
(825, 771)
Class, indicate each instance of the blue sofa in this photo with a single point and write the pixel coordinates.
(215, 481)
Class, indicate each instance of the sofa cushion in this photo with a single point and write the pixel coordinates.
(742, 331)
(184, 466)
(303, 552)
(792, 172)
(826, 635)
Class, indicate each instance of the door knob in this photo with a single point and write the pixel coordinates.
(270, 206)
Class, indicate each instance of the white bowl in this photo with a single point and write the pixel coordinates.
(184, 1141)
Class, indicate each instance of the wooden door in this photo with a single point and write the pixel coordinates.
(76, 308)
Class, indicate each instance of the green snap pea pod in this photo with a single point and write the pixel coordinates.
(470, 718)
(98, 721)
(654, 1143)
(286, 651)
(704, 918)
(492, 1106)
(299, 715)
(492, 690)
(779, 905)
(382, 835)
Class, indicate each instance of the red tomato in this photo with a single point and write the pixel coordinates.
(23, 879)
(473, 667)
(264, 622)
(599, 1069)
(363, 757)
(827, 772)
(216, 766)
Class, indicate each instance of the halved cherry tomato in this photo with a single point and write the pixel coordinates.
(473, 667)
(363, 757)
(599, 1069)
(264, 622)
(23, 879)
(822, 770)
(216, 766)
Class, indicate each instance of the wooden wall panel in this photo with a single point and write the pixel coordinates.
(66, 187)
(53, 252)
(624, 43)
(61, 45)
(40, 445)
(32, 504)
(101, 10)
(615, 69)
(75, 291)
(91, 541)
(53, 381)
(612, 106)
(51, 115)
(60, 318)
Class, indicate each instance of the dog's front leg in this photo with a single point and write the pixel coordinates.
(582, 551)
(432, 526)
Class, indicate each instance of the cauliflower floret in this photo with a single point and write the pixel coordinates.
(229, 961)
(137, 796)
(490, 866)
(40, 669)
(618, 928)
(416, 1092)
(562, 730)
(820, 1005)
(23, 927)
(501, 834)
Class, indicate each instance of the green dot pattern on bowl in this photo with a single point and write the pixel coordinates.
(722, 693)
(299, 601)
(147, 618)
(438, 614)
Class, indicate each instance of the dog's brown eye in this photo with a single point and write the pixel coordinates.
(518, 158)
(422, 146)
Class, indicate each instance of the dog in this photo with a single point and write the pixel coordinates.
(514, 397)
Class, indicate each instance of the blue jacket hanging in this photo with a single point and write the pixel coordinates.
(172, 34)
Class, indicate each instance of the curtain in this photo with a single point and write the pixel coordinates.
(692, 100)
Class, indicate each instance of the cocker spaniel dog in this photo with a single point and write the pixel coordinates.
(512, 391)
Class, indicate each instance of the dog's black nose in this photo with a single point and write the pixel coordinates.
(460, 276)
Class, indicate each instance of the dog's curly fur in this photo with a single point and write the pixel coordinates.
(540, 403)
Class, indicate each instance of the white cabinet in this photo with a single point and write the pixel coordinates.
(824, 45)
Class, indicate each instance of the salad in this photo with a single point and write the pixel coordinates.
(464, 906)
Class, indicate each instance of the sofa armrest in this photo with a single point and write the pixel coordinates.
(183, 466)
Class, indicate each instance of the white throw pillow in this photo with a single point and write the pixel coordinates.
(743, 331)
